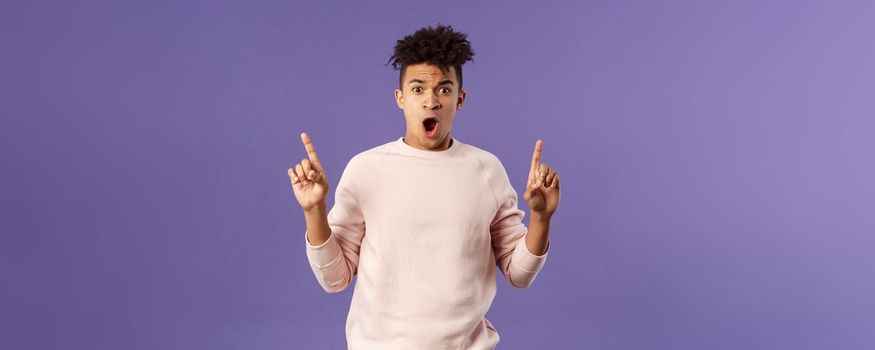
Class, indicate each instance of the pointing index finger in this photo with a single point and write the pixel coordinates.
(536, 158)
(311, 151)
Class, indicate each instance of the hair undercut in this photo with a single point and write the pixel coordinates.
(440, 46)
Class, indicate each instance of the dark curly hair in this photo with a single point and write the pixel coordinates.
(440, 46)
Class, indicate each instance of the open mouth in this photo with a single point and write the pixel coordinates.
(430, 125)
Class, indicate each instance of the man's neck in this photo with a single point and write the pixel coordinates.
(450, 144)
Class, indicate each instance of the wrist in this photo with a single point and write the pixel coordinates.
(541, 217)
(316, 209)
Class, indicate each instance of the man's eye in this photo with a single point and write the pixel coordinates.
(417, 89)
(445, 90)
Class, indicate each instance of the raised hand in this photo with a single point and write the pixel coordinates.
(542, 187)
(308, 179)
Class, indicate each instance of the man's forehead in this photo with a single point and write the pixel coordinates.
(429, 73)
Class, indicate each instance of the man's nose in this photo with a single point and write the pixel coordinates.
(431, 102)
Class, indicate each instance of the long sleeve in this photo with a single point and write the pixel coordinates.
(517, 263)
(335, 261)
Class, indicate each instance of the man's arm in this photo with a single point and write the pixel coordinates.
(521, 252)
(542, 196)
(332, 240)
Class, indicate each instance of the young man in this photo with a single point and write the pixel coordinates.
(423, 220)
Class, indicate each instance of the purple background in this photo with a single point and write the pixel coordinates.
(716, 161)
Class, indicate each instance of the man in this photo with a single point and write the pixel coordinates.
(423, 220)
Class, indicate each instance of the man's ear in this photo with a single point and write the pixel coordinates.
(461, 99)
(399, 98)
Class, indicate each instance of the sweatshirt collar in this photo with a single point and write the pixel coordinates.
(404, 148)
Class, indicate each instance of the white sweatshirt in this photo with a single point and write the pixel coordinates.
(423, 231)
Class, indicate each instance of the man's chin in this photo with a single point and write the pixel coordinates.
(435, 143)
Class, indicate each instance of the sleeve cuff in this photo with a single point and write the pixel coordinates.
(324, 254)
(526, 260)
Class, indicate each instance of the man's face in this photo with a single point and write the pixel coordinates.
(430, 99)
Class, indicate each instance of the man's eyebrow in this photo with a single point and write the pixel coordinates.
(442, 82)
